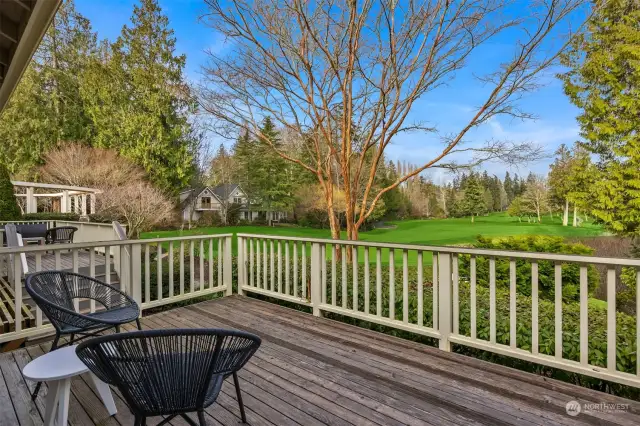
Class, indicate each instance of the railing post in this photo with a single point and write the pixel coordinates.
(242, 268)
(135, 281)
(227, 266)
(315, 279)
(444, 300)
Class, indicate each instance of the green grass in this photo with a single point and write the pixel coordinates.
(436, 232)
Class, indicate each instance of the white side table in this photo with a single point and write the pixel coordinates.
(57, 368)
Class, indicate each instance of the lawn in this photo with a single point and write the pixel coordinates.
(437, 232)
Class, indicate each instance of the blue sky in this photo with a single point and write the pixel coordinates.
(447, 108)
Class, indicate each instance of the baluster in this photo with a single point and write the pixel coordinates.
(366, 281)
(304, 269)
(584, 316)
(272, 261)
(258, 262)
(534, 308)
(558, 309)
(220, 257)
(159, 271)
(107, 263)
(354, 264)
(295, 272)
(210, 263)
(17, 291)
(492, 300)
(434, 289)
(58, 262)
(201, 257)
(420, 289)
(147, 274)
(474, 314)
(637, 322)
(392, 285)
(250, 241)
(343, 249)
(181, 267)
(171, 283)
(333, 274)
(378, 282)
(38, 269)
(456, 293)
(513, 342)
(265, 272)
(286, 268)
(280, 287)
(74, 267)
(323, 266)
(611, 319)
(192, 272)
(405, 287)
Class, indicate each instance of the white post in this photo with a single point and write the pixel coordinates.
(315, 279)
(227, 267)
(31, 203)
(444, 300)
(92, 203)
(84, 204)
(242, 268)
(65, 202)
(135, 278)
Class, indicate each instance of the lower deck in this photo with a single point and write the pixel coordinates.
(314, 371)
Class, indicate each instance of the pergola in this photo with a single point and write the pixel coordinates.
(71, 199)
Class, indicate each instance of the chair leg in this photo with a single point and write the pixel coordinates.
(138, 324)
(72, 339)
(201, 419)
(117, 329)
(239, 396)
(54, 346)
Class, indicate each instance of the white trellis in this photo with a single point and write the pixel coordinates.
(72, 199)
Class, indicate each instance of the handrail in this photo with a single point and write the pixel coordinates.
(32, 249)
(460, 250)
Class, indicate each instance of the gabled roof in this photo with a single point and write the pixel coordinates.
(223, 191)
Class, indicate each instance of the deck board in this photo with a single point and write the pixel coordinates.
(313, 371)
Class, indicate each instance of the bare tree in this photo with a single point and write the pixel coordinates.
(536, 197)
(344, 75)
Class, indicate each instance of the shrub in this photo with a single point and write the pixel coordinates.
(9, 209)
(73, 217)
(546, 271)
(211, 218)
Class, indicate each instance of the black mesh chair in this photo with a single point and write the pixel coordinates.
(170, 372)
(60, 235)
(55, 292)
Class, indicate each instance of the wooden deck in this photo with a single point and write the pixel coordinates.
(312, 371)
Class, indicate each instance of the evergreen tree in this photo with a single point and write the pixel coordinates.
(603, 82)
(560, 183)
(139, 102)
(508, 187)
(9, 209)
(46, 108)
(473, 202)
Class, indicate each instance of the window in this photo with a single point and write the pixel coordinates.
(237, 200)
(205, 202)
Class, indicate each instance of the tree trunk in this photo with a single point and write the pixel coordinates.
(565, 216)
(575, 215)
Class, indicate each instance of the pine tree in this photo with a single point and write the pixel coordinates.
(139, 102)
(473, 202)
(508, 187)
(604, 65)
(9, 209)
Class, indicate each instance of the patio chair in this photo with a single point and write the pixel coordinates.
(55, 292)
(60, 235)
(170, 372)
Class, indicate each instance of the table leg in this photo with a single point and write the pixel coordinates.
(63, 402)
(105, 394)
(51, 403)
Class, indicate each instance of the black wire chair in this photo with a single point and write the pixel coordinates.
(55, 292)
(60, 235)
(170, 372)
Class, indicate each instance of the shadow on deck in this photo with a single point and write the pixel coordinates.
(313, 371)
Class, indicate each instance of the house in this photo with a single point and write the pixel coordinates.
(196, 201)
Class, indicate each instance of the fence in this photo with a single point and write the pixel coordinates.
(482, 299)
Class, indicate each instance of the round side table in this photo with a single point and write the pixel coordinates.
(57, 368)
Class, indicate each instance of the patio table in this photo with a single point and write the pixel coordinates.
(58, 368)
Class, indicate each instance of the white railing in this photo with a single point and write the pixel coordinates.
(195, 266)
(433, 291)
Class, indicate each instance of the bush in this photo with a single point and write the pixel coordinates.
(546, 272)
(211, 218)
(9, 209)
(72, 217)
